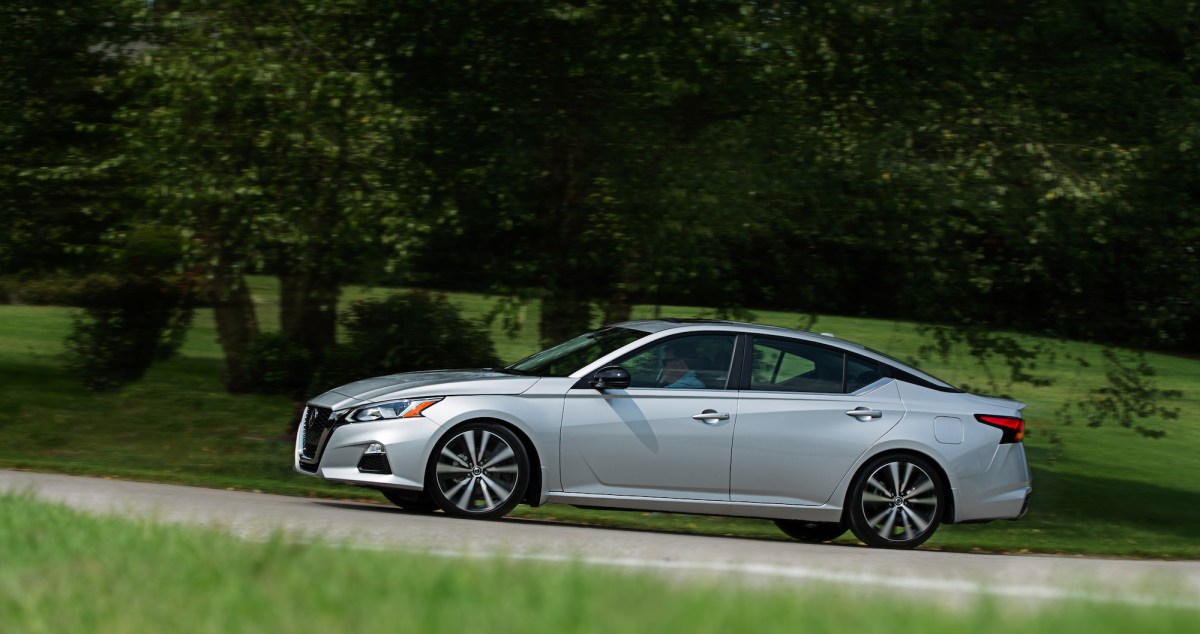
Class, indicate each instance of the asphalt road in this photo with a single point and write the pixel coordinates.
(947, 578)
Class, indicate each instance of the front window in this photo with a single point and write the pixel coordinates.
(695, 362)
(566, 358)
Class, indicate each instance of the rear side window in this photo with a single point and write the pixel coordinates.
(791, 366)
(860, 373)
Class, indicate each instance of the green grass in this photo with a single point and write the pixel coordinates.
(65, 571)
(1108, 491)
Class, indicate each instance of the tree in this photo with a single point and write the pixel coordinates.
(57, 64)
(269, 152)
(544, 126)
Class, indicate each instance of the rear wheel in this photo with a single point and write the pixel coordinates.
(896, 502)
(479, 470)
(811, 532)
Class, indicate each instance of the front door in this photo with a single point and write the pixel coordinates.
(668, 435)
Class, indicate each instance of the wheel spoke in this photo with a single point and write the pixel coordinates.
(450, 468)
(874, 521)
(469, 438)
(504, 454)
(484, 437)
(464, 501)
(453, 456)
(894, 471)
(512, 468)
(908, 529)
(889, 526)
(929, 501)
(868, 496)
(461, 483)
(501, 492)
(917, 519)
(880, 486)
(487, 496)
(927, 485)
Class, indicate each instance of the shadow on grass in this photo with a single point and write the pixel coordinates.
(1078, 499)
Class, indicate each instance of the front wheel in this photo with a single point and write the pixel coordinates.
(896, 502)
(811, 532)
(479, 471)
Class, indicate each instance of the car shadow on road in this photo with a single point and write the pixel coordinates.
(371, 507)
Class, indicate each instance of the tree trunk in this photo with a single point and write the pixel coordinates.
(237, 325)
(308, 310)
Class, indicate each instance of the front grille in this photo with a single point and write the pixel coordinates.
(316, 423)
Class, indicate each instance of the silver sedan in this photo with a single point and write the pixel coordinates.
(689, 416)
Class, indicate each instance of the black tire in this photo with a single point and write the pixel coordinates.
(410, 501)
(811, 532)
(896, 501)
(479, 470)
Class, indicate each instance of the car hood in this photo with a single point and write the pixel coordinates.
(430, 383)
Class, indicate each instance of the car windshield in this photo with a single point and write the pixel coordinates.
(565, 358)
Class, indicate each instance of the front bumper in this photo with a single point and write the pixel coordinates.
(337, 457)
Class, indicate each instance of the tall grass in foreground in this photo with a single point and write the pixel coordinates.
(64, 571)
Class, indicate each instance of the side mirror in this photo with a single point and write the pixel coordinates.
(614, 377)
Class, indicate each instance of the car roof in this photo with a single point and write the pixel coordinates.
(658, 325)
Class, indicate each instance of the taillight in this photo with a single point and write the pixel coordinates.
(1013, 428)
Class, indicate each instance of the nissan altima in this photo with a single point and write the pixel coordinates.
(688, 416)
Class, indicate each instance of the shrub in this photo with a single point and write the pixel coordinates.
(133, 315)
(275, 364)
(53, 289)
(402, 333)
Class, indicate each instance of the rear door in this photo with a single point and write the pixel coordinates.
(807, 412)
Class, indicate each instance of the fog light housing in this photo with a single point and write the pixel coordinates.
(374, 460)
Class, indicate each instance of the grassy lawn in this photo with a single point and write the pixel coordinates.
(55, 560)
(1107, 491)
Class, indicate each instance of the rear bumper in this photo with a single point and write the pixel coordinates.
(1002, 492)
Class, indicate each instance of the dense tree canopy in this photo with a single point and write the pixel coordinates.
(1019, 164)
(58, 62)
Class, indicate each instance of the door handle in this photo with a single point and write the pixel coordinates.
(864, 414)
(710, 416)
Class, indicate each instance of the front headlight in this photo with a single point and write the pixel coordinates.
(394, 409)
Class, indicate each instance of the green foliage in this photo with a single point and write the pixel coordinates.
(275, 364)
(1007, 166)
(1130, 397)
(60, 289)
(58, 61)
(402, 333)
(133, 316)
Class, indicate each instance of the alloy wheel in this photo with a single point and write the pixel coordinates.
(897, 503)
(481, 471)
